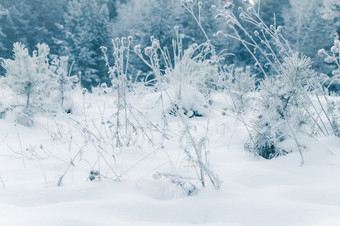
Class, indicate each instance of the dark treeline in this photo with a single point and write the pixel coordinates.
(78, 28)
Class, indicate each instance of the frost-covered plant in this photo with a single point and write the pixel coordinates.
(176, 76)
(28, 77)
(196, 173)
(38, 84)
(265, 43)
(180, 73)
(64, 83)
(185, 79)
(331, 112)
(283, 106)
(119, 75)
(239, 84)
(190, 6)
(126, 121)
(195, 66)
(197, 156)
(26, 74)
(333, 57)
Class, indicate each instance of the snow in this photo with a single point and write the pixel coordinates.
(254, 192)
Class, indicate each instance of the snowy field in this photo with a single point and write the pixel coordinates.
(254, 191)
(169, 112)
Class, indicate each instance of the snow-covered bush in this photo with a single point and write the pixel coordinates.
(283, 106)
(28, 77)
(39, 85)
(196, 67)
(189, 73)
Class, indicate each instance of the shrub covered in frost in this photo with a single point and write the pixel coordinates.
(39, 85)
(189, 73)
(283, 107)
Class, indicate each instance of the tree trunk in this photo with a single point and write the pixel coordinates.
(28, 93)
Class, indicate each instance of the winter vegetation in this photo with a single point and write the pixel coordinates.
(163, 112)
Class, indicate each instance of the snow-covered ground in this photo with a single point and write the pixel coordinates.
(254, 191)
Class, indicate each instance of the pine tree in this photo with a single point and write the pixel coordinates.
(269, 8)
(331, 9)
(15, 27)
(306, 30)
(3, 12)
(283, 103)
(158, 18)
(31, 22)
(87, 28)
(28, 77)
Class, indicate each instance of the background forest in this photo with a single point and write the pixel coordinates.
(78, 28)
